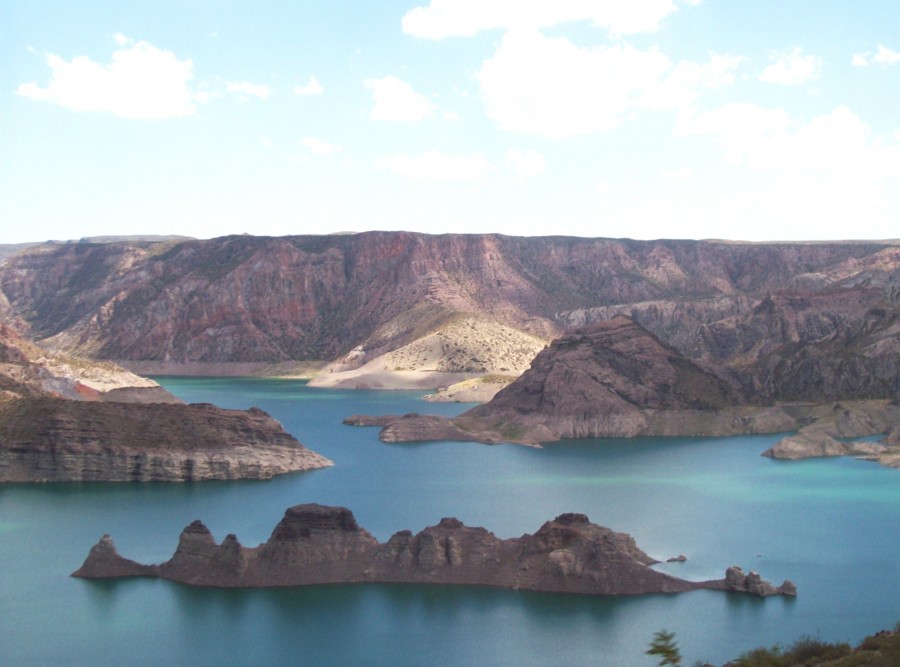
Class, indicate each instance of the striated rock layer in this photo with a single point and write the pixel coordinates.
(314, 544)
(64, 419)
(792, 321)
(56, 440)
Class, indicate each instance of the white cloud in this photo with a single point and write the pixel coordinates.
(245, 88)
(792, 68)
(312, 87)
(550, 87)
(435, 166)
(886, 56)
(526, 163)
(687, 79)
(805, 179)
(464, 18)
(396, 100)
(883, 56)
(837, 143)
(320, 147)
(141, 82)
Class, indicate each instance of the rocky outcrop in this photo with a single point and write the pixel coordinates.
(615, 379)
(812, 443)
(56, 440)
(314, 544)
(602, 380)
(65, 419)
(736, 580)
(832, 433)
(104, 561)
(610, 379)
(27, 369)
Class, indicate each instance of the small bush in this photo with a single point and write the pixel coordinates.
(761, 657)
(808, 652)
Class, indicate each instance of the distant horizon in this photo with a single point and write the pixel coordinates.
(137, 236)
(640, 119)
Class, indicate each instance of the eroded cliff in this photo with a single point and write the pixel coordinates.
(782, 315)
(64, 419)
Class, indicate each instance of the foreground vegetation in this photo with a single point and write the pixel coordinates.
(879, 650)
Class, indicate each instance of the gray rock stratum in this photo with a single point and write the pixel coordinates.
(64, 419)
(314, 544)
(56, 440)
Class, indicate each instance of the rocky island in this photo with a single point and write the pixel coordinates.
(315, 544)
(64, 419)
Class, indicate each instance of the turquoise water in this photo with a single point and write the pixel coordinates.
(830, 525)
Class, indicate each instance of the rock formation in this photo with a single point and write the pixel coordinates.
(834, 429)
(725, 335)
(792, 321)
(616, 379)
(56, 440)
(314, 544)
(65, 419)
(610, 379)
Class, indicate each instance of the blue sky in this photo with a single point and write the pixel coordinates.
(734, 119)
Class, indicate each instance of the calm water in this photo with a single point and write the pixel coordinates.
(830, 525)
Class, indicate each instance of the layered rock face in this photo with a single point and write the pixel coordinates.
(838, 344)
(64, 419)
(314, 544)
(358, 297)
(56, 440)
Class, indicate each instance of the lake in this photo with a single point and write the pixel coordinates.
(830, 525)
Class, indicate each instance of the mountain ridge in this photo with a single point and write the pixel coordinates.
(273, 299)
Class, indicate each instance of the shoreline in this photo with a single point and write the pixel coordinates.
(289, 370)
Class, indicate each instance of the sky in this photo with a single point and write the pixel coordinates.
(729, 119)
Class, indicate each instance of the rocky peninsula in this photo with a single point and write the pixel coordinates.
(315, 544)
(64, 419)
(616, 379)
(610, 379)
